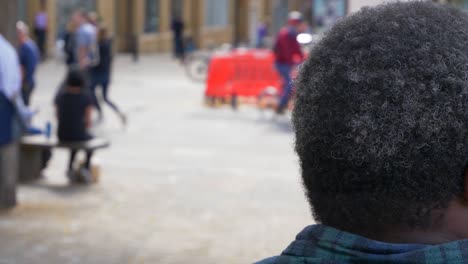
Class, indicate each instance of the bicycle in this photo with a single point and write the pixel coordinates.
(197, 63)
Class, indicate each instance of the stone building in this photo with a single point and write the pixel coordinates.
(146, 23)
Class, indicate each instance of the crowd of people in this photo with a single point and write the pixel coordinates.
(89, 63)
(89, 59)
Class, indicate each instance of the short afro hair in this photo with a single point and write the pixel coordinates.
(381, 118)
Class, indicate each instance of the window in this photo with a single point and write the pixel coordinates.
(460, 3)
(280, 14)
(327, 12)
(177, 8)
(22, 10)
(216, 12)
(152, 18)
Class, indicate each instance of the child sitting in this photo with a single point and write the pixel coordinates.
(73, 107)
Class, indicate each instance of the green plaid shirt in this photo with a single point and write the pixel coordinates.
(320, 244)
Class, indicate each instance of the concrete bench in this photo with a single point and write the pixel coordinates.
(32, 147)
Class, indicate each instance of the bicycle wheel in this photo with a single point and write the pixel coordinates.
(197, 67)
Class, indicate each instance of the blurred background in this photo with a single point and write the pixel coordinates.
(208, 22)
(200, 168)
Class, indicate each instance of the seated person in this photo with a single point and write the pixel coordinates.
(381, 124)
(74, 106)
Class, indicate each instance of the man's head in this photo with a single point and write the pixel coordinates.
(103, 33)
(381, 120)
(295, 19)
(75, 78)
(78, 17)
(92, 18)
(22, 31)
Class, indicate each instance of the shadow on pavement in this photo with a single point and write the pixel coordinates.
(61, 189)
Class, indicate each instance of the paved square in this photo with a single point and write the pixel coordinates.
(181, 184)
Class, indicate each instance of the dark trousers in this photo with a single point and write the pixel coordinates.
(41, 35)
(73, 152)
(26, 93)
(179, 47)
(101, 80)
(284, 71)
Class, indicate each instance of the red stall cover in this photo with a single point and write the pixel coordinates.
(244, 73)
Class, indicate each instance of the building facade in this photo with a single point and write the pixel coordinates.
(146, 24)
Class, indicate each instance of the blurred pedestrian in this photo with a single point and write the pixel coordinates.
(29, 58)
(10, 88)
(93, 19)
(81, 44)
(101, 74)
(69, 44)
(40, 30)
(262, 32)
(74, 109)
(177, 27)
(288, 54)
(85, 41)
(12, 107)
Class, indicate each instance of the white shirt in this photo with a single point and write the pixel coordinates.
(86, 36)
(10, 73)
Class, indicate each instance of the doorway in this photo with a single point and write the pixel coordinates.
(241, 33)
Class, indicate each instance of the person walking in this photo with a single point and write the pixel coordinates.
(177, 27)
(85, 41)
(69, 44)
(262, 33)
(101, 74)
(29, 58)
(40, 30)
(288, 54)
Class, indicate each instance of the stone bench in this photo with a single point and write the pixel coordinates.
(31, 149)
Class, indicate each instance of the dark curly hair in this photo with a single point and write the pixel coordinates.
(381, 118)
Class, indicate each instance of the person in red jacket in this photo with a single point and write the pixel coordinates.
(288, 54)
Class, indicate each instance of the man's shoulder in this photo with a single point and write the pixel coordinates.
(29, 46)
(272, 260)
(283, 31)
(285, 34)
(8, 53)
(5, 46)
(29, 51)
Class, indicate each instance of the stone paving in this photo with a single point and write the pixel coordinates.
(181, 184)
